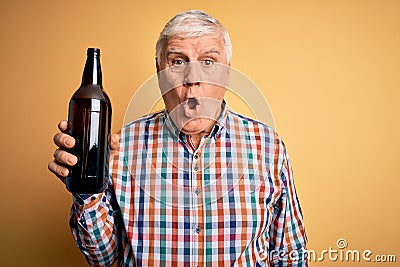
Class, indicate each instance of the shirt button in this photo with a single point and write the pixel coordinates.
(196, 168)
(197, 230)
(196, 156)
(197, 191)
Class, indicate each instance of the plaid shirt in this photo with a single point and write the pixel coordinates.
(230, 202)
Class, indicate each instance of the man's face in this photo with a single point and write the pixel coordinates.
(193, 75)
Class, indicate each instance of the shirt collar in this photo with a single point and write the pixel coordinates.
(215, 132)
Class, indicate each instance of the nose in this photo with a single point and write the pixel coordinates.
(192, 75)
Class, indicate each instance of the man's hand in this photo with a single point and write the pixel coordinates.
(113, 142)
(63, 159)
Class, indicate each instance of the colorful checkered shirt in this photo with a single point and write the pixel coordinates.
(230, 202)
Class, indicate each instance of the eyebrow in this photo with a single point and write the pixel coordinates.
(173, 51)
(177, 52)
(212, 51)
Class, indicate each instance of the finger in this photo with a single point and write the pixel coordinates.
(114, 141)
(63, 125)
(64, 140)
(60, 171)
(64, 157)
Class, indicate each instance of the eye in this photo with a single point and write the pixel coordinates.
(208, 62)
(178, 62)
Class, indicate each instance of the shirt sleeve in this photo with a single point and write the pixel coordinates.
(94, 225)
(287, 234)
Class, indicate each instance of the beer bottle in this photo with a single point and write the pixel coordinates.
(89, 122)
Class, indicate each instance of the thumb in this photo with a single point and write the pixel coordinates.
(113, 140)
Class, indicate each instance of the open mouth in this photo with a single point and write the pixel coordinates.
(192, 103)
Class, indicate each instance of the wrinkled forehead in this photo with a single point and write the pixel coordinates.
(202, 43)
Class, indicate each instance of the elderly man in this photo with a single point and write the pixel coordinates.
(195, 184)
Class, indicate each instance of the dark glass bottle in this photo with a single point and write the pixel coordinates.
(89, 122)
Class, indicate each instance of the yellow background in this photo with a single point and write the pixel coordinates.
(329, 69)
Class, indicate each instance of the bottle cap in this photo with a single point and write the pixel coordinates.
(93, 51)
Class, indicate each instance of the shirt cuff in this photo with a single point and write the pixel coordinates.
(86, 202)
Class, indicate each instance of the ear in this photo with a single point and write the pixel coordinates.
(157, 66)
(228, 76)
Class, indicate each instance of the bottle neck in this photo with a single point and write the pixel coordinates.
(92, 72)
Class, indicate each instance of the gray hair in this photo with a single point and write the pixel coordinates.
(193, 23)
